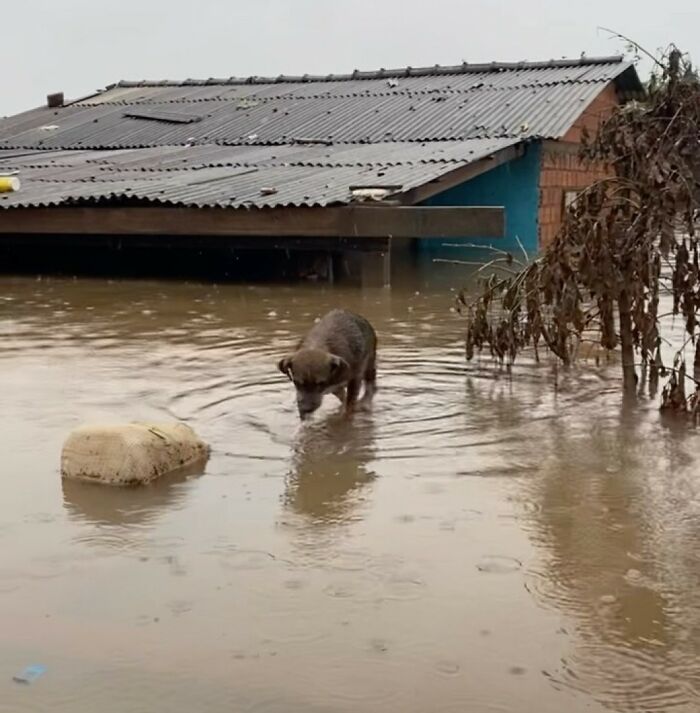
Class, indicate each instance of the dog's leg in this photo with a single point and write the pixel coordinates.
(353, 390)
(370, 378)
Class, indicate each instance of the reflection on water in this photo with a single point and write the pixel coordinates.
(614, 511)
(126, 506)
(330, 467)
(519, 543)
(612, 526)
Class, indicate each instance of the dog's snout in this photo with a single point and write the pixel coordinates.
(305, 412)
(307, 403)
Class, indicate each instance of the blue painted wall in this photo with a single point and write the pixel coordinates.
(514, 185)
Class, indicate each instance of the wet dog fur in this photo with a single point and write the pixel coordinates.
(337, 356)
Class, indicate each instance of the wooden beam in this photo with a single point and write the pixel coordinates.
(358, 222)
(195, 242)
(461, 175)
(421, 221)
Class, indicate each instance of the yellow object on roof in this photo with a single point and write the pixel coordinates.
(9, 184)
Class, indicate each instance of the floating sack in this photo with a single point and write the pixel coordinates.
(130, 454)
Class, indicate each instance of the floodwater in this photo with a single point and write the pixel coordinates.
(472, 544)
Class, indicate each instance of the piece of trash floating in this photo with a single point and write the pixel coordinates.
(393, 83)
(499, 565)
(30, 674)
(9, 184)
(448, 667)
(268, 191)
(634, 576)
(272, 313)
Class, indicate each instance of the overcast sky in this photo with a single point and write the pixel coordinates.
(77, 46)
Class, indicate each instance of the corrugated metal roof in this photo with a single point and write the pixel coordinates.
(562, 69)
(233, 176)
(544, 111)
(462, 81)
(432, 104)
(219, 141)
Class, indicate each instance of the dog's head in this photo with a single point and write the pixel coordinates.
(313, 372)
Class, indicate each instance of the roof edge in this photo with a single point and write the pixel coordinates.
(629, 84)
(436, 70)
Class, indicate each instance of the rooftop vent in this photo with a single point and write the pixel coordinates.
(54, 100)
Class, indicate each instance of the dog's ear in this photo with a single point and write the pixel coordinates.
(339, 369)
(285, 366)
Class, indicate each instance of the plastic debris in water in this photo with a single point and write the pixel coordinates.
(30, 674)
(495, 564)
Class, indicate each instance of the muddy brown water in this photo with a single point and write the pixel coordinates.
(472, 544)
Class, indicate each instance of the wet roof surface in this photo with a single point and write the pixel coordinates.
(226, 142)
(233, 176)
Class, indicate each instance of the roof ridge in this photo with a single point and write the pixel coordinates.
(398, 73)
(339, 95)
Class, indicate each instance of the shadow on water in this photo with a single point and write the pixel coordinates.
(330, 469)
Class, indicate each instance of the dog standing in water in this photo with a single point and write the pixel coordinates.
(337, 355)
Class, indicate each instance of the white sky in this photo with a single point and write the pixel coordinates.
(77, 46)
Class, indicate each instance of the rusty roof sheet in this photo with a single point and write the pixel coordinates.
(233, 176)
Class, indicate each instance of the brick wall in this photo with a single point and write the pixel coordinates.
(561, 169)
(598, 110)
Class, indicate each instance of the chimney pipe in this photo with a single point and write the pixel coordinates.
(54, 100)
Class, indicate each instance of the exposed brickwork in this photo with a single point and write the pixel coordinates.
(599, 110)
(561, 169)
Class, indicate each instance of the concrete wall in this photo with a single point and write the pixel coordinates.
(514, 185)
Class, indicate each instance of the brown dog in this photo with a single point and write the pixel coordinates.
(337, 355)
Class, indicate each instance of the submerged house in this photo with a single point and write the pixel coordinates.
(344, 165)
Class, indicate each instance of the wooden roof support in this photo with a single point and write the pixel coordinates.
(358, 222)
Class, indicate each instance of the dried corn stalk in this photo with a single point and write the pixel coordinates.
(603, 271)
